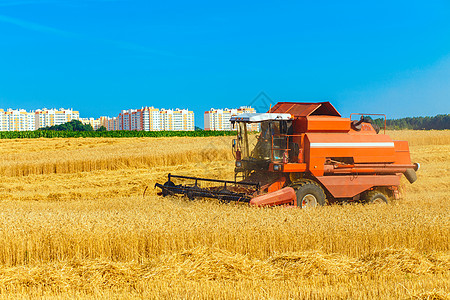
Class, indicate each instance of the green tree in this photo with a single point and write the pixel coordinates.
(73, 125)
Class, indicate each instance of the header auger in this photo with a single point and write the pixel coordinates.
(307, 155)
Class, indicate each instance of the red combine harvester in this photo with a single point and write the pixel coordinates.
(307, 155)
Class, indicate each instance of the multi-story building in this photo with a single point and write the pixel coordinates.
(125, 119)
(16, 120)
(131, 119)
(105, 122)
(178, 119)
(113, 124)
(146, 118)
(95, 123)
(21, 120)
(219, 119)
(4, 124)
(49, 117)
(152, 119)
(109, 123)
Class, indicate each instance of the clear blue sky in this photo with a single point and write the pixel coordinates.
(101, 56)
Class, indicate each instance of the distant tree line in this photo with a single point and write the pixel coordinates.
(109, 134)
(73, 125)
(438, 122)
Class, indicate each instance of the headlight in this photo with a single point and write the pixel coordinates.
(239, 164)
(276, 167)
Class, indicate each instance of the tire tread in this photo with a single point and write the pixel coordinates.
(303, 182)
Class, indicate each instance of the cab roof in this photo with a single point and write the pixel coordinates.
(258, 117)
(304, 109)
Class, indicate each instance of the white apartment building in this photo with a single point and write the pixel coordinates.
(125, 120)
(49, 117)
(219, 119)
(108, 123)
(113, 124)
(21, 120)
(177, 120)
(151, 119)
(95, 123)
(16, 120)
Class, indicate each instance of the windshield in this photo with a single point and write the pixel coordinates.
(256, 146)
(269, 144)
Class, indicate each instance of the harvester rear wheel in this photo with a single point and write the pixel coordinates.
(376, 197)
(309, 193)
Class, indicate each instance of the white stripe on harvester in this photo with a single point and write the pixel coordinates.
(351, 145)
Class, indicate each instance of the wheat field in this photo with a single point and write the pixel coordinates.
(74, 224)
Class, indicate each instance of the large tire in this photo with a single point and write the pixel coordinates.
(309, 193)
(376, 197)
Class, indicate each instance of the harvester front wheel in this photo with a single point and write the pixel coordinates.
(309, 194)
(376, 197)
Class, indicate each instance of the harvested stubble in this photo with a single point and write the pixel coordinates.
(131, 245)
(120, 245)
(314, 272)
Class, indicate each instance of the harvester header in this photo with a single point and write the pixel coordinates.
(307, 154)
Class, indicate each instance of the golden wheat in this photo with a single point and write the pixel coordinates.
(134, 229)
(47, 156)
(421, 137)
(66, 233)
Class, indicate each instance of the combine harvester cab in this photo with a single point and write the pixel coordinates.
(307, 155)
